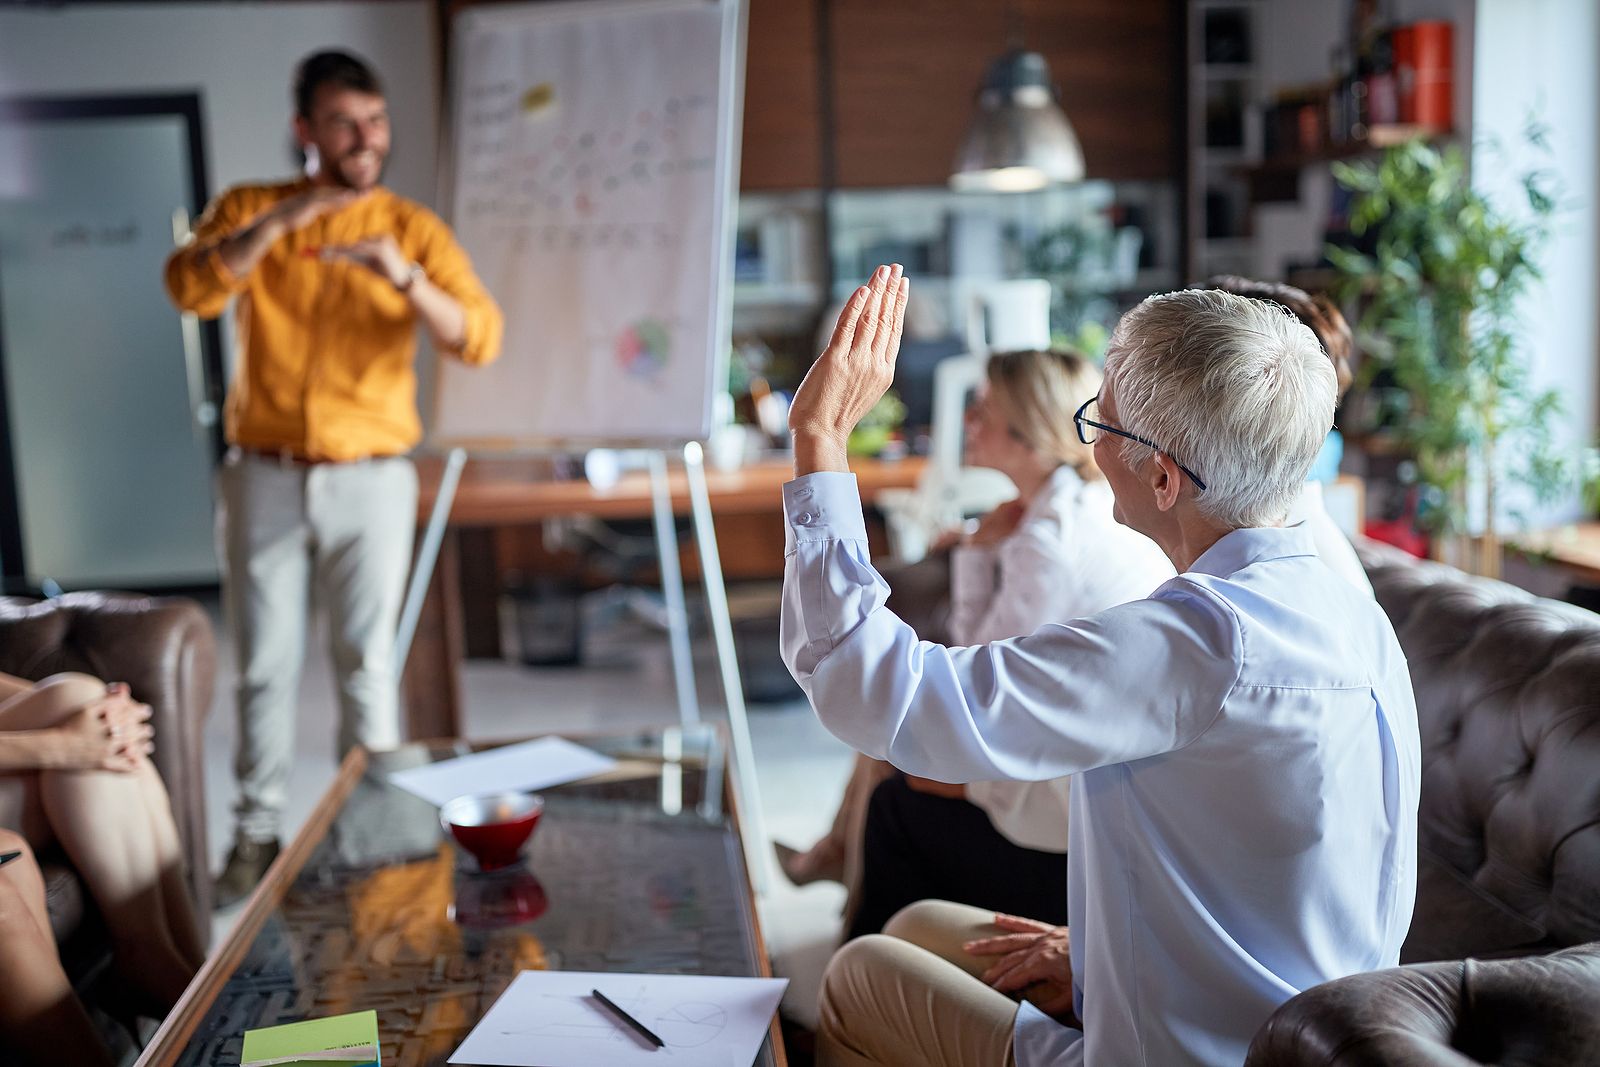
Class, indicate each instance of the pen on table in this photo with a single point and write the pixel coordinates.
(7, 857)
(630, 1020)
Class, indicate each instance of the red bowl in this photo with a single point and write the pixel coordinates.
(493, 828)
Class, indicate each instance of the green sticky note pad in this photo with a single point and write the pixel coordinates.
(340, 1041)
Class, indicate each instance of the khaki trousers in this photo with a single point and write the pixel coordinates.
(341, 532)
(911, 996)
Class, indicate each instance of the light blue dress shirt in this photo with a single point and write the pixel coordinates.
(1243, 817)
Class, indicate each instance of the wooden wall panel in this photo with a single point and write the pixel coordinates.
(906, 75)
(782, 124)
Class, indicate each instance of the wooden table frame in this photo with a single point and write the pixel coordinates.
(179, 1027)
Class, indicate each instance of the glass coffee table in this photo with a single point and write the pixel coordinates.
(372, 907)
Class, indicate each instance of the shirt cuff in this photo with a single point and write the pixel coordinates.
(825, 506)
(1037, 1039)
(972, 573)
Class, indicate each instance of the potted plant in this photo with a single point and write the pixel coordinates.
(1440, 288)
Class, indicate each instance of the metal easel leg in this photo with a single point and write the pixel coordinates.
(751, 820)
(672, 590)
(427, 556)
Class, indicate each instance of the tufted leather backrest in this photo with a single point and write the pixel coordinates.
(1535, 1010)
(164, 649)
(1508, 702)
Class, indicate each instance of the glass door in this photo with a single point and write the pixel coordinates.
(109, 398)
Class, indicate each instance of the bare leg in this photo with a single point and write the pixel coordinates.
(40, 1016)
(179, 909)
(107, 823)
(100, 817)
(42, 705)
(11, 685)
(831, 857)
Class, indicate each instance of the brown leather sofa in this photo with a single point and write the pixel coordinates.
(1508, 700)
(164, 649)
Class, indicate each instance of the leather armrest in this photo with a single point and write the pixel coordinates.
(163, 648)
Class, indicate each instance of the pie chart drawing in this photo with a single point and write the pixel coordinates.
(691, 1024)
(643, 349)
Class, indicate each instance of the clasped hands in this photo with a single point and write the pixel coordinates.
(1035, 962)
(110, 734)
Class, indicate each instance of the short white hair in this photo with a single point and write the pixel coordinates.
(1237, 390)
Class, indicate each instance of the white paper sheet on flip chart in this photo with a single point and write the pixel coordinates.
(520, 768)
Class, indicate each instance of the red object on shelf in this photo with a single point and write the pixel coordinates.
(1402, 533)
(1424, 60)
(1405, 71)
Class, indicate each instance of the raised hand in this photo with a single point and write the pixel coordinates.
(1034, 957)
(381, 255)
(851, 375)
(110, 734)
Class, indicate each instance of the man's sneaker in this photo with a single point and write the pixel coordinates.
(246, 864)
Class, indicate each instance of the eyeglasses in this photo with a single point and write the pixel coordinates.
(1083, 422)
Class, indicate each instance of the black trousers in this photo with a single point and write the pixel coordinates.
(919, 847)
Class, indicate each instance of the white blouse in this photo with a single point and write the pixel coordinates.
(1067, 558)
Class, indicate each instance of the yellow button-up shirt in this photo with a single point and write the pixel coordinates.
(326, 350)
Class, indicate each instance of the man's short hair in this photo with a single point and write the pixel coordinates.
(1239, 391)
(339, 69)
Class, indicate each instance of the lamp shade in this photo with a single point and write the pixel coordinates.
(1020, 139)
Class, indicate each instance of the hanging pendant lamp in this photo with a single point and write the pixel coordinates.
(1020, 139)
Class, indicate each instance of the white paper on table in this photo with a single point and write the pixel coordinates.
(511, 769)
(551, 1019)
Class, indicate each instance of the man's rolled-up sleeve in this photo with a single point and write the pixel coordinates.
(447, 265)
(196, 279)
(1134, 681)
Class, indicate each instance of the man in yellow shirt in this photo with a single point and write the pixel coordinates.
(329, 276)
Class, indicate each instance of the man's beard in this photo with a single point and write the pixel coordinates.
(340, 178)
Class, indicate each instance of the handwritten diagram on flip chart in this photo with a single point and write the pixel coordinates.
(592, 182)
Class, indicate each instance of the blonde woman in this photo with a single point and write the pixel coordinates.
(1054, 553)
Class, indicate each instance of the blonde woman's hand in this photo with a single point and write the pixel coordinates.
(851, 375)
(111, 733)
(999, 524)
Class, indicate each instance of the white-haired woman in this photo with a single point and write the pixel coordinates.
(1243, 743)
(1053, 553)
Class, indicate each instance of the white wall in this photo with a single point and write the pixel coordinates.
(240, 58)
(1543, 56)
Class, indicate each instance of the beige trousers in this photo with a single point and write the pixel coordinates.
(338, 532)
(911, 996)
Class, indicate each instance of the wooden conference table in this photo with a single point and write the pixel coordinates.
(508, 492)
